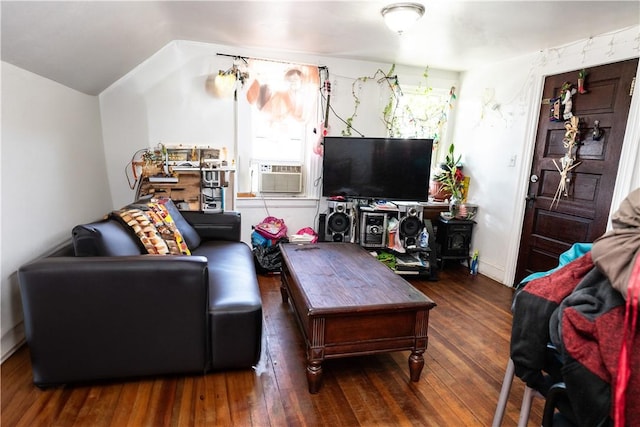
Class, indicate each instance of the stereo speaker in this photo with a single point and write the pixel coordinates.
(373, 228)
(339, 221)
(322, 227)
(411, 224)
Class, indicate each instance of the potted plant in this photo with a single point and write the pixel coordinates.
(448, 182)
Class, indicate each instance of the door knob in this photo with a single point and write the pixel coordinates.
(533, 178)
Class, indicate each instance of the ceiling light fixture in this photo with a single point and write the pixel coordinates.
(399, 17)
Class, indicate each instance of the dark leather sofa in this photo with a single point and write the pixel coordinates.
(100, 309)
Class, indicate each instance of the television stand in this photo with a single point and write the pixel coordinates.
(373, 224)
(414, 262)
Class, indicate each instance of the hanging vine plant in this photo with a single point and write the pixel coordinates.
(392, 122)
(408, 123)
(387, 113)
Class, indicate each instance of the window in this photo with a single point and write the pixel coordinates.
(277, 120)
(421, 113)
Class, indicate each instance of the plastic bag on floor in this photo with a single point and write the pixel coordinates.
(268, 259)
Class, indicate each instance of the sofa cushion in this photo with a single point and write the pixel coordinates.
(155, 229)
(190, 235)
(104, 238)
(232, 274)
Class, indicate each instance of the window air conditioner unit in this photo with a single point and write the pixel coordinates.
(279, 178)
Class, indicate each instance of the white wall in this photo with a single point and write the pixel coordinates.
(163, 100)
(53, 177)
(496, 121)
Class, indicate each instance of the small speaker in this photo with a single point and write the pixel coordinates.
(322, 227)
(410, 226)
(373, 228)
(339, 222)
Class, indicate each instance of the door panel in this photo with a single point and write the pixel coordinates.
(582, 212)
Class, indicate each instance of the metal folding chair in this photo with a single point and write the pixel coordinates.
(527, 399)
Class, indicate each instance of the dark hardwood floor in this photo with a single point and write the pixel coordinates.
(464, 365)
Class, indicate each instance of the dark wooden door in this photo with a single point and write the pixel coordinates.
(582, 211)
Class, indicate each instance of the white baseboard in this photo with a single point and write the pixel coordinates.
(493, 272)
(11, 341)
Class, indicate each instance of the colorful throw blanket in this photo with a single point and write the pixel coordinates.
(153, 226)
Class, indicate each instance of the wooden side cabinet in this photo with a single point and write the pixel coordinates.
(453, 240)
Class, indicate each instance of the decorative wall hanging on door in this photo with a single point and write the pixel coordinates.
(567, 162)
(566, 96)
(582, 75)
(562, 105)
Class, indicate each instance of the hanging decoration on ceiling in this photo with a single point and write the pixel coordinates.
(567, 163)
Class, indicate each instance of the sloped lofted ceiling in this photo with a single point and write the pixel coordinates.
(88, 45)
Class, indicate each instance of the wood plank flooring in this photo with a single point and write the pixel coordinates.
(468, 348)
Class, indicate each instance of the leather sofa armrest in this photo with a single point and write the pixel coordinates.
(215, 226)
(94, 318)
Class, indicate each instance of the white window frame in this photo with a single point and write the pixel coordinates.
(254, 130)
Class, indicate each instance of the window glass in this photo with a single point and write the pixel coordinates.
(421, 113)
(277, 141)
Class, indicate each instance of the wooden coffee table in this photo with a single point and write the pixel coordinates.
(347, 303)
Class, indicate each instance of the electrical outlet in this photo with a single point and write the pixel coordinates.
(512, 161)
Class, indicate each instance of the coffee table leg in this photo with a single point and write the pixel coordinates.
(416, 363)
(314, 376)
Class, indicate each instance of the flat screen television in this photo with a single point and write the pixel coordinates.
(376, 168)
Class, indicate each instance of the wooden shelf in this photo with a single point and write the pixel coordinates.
(185, 191)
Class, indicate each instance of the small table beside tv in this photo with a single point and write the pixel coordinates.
(453, 237)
